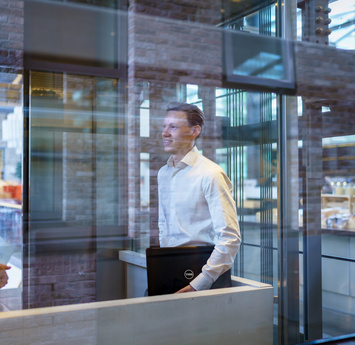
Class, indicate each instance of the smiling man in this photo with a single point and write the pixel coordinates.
(196, 206)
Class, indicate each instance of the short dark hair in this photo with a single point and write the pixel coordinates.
(194, 114)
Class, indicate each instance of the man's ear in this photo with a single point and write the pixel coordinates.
(196, 130)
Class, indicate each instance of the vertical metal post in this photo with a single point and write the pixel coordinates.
(288, 238)
(312, 184)
(266, 201)
(315, 29)
(315, 20)
(288, 199)
(26, 191)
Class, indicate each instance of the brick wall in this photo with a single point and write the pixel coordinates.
(59, 278)
(11, 33)
(174, 51)
(78, 194)
(196, 11)
(324, 72)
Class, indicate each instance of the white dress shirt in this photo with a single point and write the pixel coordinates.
(196, 207)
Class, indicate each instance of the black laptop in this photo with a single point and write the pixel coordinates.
(169, 269)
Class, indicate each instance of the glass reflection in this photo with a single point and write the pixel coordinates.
(11, 147)
(76, 186)
(342, 25)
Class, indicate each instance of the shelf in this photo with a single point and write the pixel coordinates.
(341, 201)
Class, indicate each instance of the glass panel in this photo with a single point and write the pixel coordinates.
(77, 219)
(250, 159)
(262, 21)
(101, 3)
(144, 120)
(145, 201)
(342, 25)
(94, 44)
(192, 95)
(253, 54)
(266, 58)
(85, 149)
(11, 139)
(326, 178)
(334, 148)
(337, 222)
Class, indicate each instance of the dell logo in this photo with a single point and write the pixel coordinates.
(188, 274)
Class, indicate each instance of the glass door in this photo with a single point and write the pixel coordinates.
(76, 187)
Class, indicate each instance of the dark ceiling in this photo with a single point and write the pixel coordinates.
(234, 9)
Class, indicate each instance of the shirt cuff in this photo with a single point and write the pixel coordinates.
(201, 282)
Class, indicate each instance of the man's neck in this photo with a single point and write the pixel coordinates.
(177, 158)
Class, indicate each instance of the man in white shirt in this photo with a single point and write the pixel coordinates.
(196, 206)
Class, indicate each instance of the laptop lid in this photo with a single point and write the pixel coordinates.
(169, 269)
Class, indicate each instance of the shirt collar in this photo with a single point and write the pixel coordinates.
(189, 159)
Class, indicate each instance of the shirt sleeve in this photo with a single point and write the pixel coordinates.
(222, 207)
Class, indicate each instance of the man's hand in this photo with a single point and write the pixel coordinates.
(187, 288)
(3, 275)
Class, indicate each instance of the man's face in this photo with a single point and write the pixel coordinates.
(178, 135)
